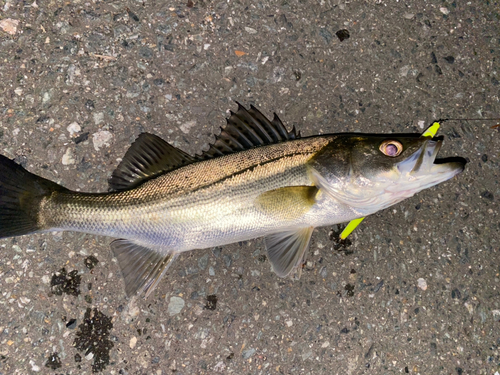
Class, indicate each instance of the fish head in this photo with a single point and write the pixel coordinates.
(372, 172)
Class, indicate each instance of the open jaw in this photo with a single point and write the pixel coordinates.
(422, 170)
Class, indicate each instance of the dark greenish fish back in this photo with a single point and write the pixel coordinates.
(150, 156)
(20, 195)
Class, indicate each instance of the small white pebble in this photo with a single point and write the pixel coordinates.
(34, 366)
(101, 138)
(422, 284)
(9, 26)
(289, 323)
(469, 308)
(403, 71)
(187, 126)
(444, 10)
(68, 158)
(175, 306)
(133, 342)
(73, 128)
(98, 117)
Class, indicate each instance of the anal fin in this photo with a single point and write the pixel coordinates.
(142, 268)
(286, 250)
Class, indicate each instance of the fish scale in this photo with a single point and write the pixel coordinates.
(256, 180)
(169, 212)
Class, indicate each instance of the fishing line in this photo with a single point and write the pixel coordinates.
(471, 119)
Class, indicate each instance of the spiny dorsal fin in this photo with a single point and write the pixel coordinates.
(148, 157)
(142, 268)
(246, 129)
(287, 250)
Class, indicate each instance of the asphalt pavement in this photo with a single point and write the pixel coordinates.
(415, 289)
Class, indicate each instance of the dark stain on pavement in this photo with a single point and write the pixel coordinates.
(63, 282)
(93, 337)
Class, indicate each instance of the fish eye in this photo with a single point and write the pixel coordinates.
(391, 148)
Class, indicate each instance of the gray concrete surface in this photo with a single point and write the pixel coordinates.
(80, 80)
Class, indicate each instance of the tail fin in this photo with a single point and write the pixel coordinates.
(20, 195)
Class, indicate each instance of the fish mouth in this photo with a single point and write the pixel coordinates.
(423, 166)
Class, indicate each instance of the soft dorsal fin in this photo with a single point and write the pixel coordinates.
(246, 129)
(148, 157)
(142, 268)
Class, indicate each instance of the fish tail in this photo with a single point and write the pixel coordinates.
(21, 194)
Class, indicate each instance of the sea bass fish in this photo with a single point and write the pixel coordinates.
(256, 180)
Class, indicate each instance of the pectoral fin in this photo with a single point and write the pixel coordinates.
(286, 250)
(288, 202)
(142, 268)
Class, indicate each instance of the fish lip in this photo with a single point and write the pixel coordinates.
(424, 162)
(439, 144)
(432, 148)
(427, 154)
(450, 166)
(422, 170)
